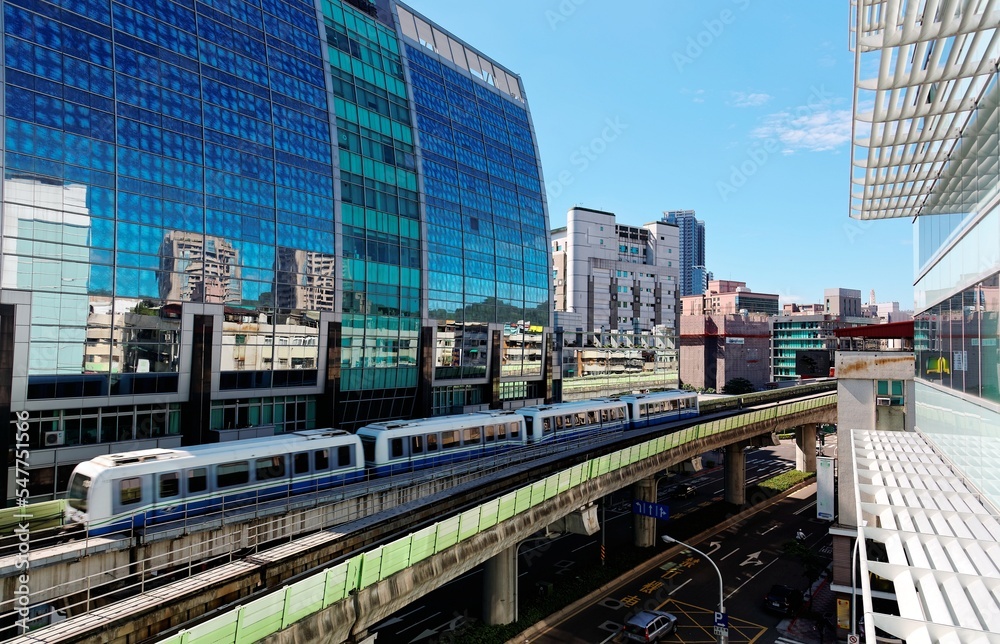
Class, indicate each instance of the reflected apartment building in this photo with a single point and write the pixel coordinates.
(297, 215)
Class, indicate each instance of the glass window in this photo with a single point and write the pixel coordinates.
(170, 485)
(471, 436)
(197, 480)
(230, 474)
(489, 433)
(449, 439)
(270, 468)
(416, 445)
(515, 430)
(344, 456)
(321, 460)
(396, 448)
(301, 462)
(130, 491)
(432, 442)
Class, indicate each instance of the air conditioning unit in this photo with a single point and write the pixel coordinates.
(54, 439)
(883, 401)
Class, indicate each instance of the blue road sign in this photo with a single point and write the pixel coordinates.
(648, 509)
(721, 620)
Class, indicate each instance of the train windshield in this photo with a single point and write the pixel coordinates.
(368, 443)
(78, 489)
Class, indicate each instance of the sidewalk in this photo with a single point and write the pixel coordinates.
(823, 603)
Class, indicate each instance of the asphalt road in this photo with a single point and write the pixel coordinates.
(689, 587)
(750, 558)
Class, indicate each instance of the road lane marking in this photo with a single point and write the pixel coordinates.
(420, 622)
(730, 554)
(679, 587)
(582, 547)
(803, 509)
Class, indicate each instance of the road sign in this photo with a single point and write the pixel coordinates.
(648, 509)
(721, 621)
(853, 639)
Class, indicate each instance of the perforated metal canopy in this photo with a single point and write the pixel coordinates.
(927, 534)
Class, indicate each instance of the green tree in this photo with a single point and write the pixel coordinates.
(738, 386)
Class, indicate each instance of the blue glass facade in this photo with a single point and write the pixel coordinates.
(214, 219)
(486, 236)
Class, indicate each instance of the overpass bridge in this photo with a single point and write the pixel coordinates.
(371, 572)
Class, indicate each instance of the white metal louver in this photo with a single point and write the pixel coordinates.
(924, 530)
(922, 71)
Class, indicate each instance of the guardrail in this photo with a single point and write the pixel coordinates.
(47, 514)
(271, 613)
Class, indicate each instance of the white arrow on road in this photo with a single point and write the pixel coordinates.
(753, 559)
(715, 546)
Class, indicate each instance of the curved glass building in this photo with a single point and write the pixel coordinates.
(236, 218)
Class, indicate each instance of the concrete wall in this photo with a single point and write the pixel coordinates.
(857, 373)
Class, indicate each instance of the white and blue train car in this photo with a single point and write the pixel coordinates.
(119, 491)
(661, 407)
(570, 420)
(404, 445)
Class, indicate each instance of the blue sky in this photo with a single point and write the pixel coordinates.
(737, 109)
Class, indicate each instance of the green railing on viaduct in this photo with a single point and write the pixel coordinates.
(271, 613)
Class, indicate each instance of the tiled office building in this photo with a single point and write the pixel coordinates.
(259, 216)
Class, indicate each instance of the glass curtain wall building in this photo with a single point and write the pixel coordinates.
(927, 126)
(258, 216)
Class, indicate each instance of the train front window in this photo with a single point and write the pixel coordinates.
(368, 443)
(78, 488)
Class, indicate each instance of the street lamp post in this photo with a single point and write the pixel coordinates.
(723, 632)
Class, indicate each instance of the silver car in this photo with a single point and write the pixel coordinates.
(649, 626)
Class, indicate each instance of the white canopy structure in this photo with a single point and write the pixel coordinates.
(925, 105)
(925, 531)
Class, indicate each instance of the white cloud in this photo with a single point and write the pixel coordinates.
(743, 99)
(697, 95)
(810, 129)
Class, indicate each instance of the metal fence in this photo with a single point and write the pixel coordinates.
(273, 612)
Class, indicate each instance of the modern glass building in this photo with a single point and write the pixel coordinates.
(694, 277)
(259, 216)
(927, 126)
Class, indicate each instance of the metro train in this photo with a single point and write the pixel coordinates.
(116, 492)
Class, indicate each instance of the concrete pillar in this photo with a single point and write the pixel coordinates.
(805, 448)
(736, 474)
(500, 591)
(645, 527)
